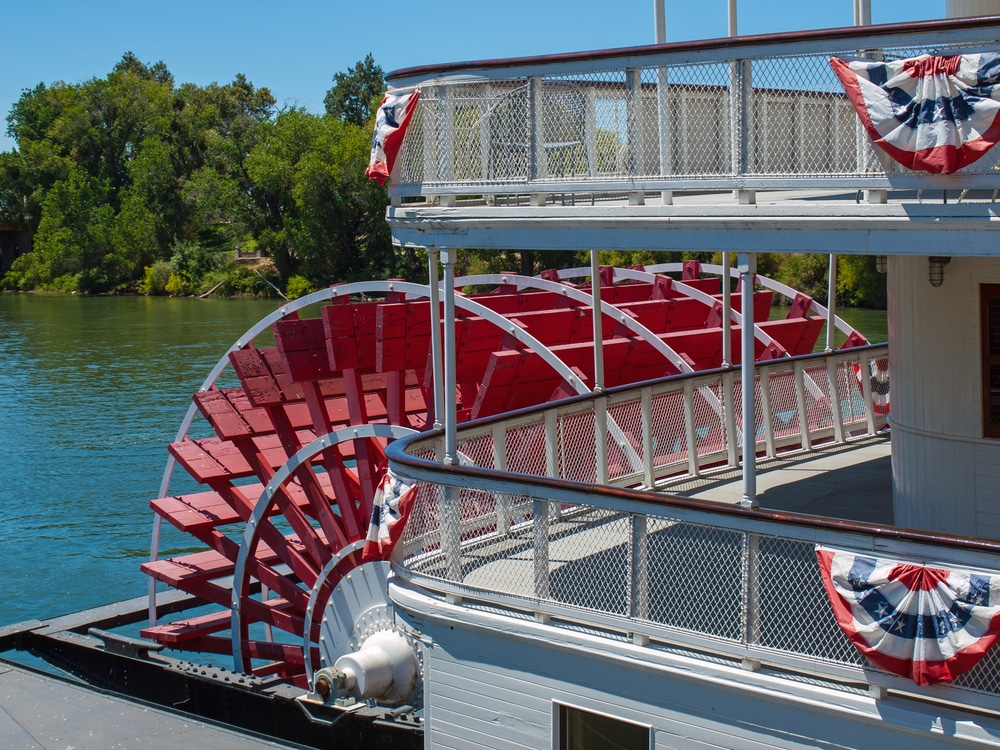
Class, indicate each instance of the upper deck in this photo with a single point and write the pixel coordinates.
(660, 137)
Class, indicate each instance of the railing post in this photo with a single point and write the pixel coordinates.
(485, 142)
(540, 541)
(499, 434)
(833, 389)
(864, 375)
(590, 131)
(751, 596)
(767, 415)
(648, 458)
(690, 429)
(729, 396)
(800, 400)
(449, 511)
(446, 135)
(601, 438)
(663, 131)
(633, 86)
(739, 115)
(639, 564)
(552, 452)
(537, 166)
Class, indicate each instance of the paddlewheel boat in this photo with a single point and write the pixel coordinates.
(513, 511)
(297, 450)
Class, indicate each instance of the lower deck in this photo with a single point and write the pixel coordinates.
(851, 481)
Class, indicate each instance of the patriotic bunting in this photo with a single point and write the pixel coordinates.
(934, 114)
(390, 509)
(390, 127)
(925, 623)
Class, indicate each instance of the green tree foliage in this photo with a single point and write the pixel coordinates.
(124, 177)
(356, 93)
(320, 216)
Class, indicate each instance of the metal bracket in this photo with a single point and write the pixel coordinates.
(123, 645)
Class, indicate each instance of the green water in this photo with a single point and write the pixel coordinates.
(92, 391)
(872, 323)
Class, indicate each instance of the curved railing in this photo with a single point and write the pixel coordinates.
(748, 114)
(524, 527)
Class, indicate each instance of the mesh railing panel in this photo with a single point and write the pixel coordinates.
(577, 447)
(627, 415)
(589, 554)
(525, 446)
(793, 612)
(669, 432)
(660, 121)
(695, 578)
(819, 410)
(852, 400)
(784, 404)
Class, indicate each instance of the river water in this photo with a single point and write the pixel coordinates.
(91, 391)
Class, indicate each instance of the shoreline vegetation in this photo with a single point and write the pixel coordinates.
(133, 184)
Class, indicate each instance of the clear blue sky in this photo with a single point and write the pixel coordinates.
(294, 48)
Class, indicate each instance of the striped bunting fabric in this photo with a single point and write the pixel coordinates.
(390, 126)
(925, 623)
(930, 113)
(390, 508)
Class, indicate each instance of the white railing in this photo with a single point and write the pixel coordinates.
(753, 113)
(526, 523)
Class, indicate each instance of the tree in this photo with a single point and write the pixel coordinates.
(354, 95)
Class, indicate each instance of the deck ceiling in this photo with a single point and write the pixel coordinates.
(781, 222)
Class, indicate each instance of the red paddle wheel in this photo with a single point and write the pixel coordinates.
(298, 449)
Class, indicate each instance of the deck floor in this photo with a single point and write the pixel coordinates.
(852, 482)
(43, 713)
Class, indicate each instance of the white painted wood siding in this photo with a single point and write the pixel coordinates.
(946, 476)
(493, 681)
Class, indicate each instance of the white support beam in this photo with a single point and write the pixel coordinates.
(747, 263)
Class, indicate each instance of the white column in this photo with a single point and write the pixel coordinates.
(436, 359)
(747, 263)
(727, 313)
(595, 289)
(450, 407)
(659, 22)
(831, 302)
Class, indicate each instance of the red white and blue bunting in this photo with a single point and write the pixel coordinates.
(925, 623)
(929, 113)
(390, 508)
(390, 126)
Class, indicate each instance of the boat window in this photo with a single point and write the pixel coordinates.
(584, 730)
(989, 298)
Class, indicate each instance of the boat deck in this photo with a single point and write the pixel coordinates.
(38, 711)
(851, 481)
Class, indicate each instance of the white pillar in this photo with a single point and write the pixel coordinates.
(450, 385)
(436, 355)
(727, 313)
(659, 22)
(747, 263)
(831, 302)
(595, 290)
